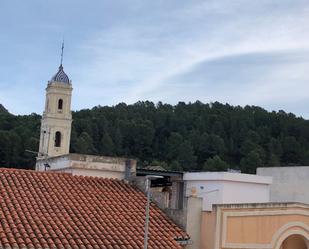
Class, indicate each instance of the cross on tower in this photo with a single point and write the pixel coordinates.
(62, 52)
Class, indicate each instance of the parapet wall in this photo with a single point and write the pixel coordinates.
(88, 165)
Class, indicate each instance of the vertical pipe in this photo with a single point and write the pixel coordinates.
(127, 172)
(147, 213)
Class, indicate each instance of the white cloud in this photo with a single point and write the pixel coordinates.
(131, 51)
(126, 52)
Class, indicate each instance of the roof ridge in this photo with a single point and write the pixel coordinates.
(31, 171)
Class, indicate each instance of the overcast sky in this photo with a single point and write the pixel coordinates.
(241, 52)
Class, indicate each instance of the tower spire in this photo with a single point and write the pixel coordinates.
(62, 52)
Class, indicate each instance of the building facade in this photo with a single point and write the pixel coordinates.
(57, 118)
(225, 210)
(256, 226)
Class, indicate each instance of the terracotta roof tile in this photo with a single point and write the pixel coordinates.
(58, 210)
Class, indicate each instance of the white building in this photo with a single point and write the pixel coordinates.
(227, 188)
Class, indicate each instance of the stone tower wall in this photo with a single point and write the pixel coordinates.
(56, 120)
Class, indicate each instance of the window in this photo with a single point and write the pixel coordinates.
(58, 139)
(60, 104)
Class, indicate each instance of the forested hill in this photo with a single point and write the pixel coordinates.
(2, 109)
(193, 136)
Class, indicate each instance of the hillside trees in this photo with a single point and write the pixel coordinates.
(18, 133)
(192, 136)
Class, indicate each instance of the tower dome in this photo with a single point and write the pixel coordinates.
(61, 76)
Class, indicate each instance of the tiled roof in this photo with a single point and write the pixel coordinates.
(158, 170)
(61, 76)
(58, 210)
(155, 167)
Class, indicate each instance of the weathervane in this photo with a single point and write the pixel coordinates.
(62, 52)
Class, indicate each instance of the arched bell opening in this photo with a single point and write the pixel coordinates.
(58, 139)
(60, 104)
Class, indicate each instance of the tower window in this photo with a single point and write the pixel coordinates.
(60, 104)
(58, 139)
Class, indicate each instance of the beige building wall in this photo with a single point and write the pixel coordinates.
(208, 230)
(255, 226)
(194, 221)
(89, 165)
(56, 120)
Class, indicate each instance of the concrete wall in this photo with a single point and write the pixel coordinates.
(290, 184)
(194, 221)
(243, 192)
(88, 165)
(226, 188)
(179, 216)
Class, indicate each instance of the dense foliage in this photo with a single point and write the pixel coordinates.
(192, 136)
(2, 109)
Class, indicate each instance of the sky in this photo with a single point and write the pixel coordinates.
(241, 52)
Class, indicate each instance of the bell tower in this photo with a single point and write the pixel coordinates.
(57, 117)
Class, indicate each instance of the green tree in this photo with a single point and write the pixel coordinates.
(186, 157)
(305, 158)
(174, 165)
(118, 141)
(183, 135)
(84, 144)
(107, 145)
(250, 162)
(173, 142)
(215, 164)
(274, 160)
(291, 150)
(159, 163)
(274, 147)
(4, 149)
(215, 145)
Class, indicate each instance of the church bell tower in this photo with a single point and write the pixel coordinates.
(57, 117)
